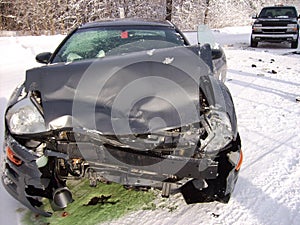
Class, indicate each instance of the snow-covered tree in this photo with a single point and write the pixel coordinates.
(40, 16)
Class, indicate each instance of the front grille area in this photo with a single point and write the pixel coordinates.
(275, 23)
(279, 31)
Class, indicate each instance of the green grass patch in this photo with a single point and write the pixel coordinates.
(125, 201)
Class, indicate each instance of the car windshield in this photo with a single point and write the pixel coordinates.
(103, 41)
(278, 12)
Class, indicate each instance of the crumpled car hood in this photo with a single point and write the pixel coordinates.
(134, 93)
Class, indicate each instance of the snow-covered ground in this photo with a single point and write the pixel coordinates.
(264, 83)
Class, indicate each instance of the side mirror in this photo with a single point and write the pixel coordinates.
(43, 57)
(254, 17)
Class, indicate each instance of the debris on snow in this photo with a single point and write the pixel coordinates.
(100, 200)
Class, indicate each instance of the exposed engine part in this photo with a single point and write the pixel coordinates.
(61, 198)
(166, 188)
(94, 178)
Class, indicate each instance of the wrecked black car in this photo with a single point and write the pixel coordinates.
(124, 101)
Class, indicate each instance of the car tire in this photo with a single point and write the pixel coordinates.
(294, 44)
(215, 190)
(218, 189)
(253, 43)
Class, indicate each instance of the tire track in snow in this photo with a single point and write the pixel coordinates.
(255, 205)
(266, 192)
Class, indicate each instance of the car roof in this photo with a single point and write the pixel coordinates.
(127, 22)
(279, 6)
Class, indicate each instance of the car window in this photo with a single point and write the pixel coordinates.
(278, 12)
(100, 42)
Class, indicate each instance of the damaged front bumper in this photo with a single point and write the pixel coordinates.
(29, 177)
(22, 173)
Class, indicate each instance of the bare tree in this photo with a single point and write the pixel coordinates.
(60, 16)
(206, 11)
(169, 6)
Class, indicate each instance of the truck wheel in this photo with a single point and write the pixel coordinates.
(253, 43)
(294, 44)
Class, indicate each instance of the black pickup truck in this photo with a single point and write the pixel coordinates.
(276, 24)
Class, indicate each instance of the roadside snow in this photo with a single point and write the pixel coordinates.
(264, 83)
(17, 55)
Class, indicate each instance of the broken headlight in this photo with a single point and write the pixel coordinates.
(218, 129)
(24, 118)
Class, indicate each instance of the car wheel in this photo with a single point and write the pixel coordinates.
(294, 44)
(253, 43)
(218, 189)
(215, 190)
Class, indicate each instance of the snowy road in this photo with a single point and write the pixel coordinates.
(264, 83)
